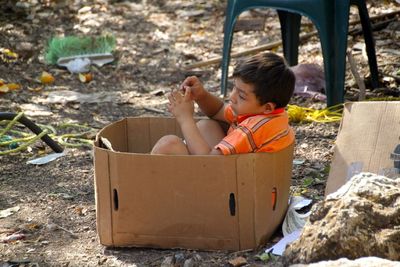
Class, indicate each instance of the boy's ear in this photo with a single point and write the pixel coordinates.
(269, 107)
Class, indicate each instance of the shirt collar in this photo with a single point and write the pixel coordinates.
(275, 112)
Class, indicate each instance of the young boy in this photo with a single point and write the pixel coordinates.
(263, 86)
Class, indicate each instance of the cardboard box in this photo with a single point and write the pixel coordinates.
(196, 202)
(369, 133)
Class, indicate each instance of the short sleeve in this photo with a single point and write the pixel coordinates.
(228, 114)
(237, 141)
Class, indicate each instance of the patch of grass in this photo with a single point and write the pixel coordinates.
(308, 181)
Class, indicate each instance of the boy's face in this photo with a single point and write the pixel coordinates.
(244, 101)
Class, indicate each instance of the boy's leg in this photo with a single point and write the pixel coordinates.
(170, 145)
(212, 131)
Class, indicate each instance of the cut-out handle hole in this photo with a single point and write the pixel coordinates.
(115, 197)
(274, 197)
(232, 204)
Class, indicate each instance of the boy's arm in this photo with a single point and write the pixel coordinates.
(194, 140)
(220, 114)
(182, 108)
(210, 104)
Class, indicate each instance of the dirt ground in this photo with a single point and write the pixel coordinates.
(56, 220)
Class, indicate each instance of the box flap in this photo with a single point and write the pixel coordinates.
(116, 134)
(369, 132)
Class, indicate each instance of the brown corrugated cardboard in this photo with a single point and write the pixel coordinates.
(368, 134)
(197, 202)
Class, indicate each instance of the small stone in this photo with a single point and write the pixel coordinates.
(189, 263)
(197, 257)
(179, 260)
(168, 262)
(304, 145)
(102, 260)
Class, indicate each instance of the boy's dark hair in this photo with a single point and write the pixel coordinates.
(272, 78)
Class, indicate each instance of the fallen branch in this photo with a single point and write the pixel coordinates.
(375, 27)
(68, 231)
(360, 82)
(247, 52)
(377, 17)
(390, 51)
(275, 44)
(396, 77)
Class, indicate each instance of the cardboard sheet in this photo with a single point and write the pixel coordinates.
(368, 134)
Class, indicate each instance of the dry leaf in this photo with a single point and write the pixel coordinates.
(7, 212)
(239, 261)
(46, 78)
(4, 88)
(33, 226)
(13, 86)
(85, 77)
(36, 89)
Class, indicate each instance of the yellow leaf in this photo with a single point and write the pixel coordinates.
(4, 88)
(14, 86)
(10, 53)
(85, 77)
(46, 78)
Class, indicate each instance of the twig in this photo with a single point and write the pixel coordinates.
(66, 230)
(360, 82)
(396, 77)
(374, 26)
(390, 51)
(377, 17)
(242, 251)
(396, 64)
(54, 226)
(154, 110)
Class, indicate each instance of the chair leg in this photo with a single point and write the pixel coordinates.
(290, 30)
(230, 19)
(369, 43)
(334, 66)
(335, 56)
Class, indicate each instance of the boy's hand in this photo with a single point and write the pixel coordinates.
(196, 87)
(181, 106)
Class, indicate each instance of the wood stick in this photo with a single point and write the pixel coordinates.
(360, 82)
(275, 44)
(375, 27)
(247, 52)
(156, 110)
(377, 17)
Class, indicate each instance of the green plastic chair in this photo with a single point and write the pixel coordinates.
(331, 18)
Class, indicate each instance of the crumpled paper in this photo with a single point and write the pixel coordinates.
(293, 219)
(292, 225)
(81, 63)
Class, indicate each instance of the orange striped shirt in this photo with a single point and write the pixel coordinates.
(256, 133)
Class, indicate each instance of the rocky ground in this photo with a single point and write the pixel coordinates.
(156, 41)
